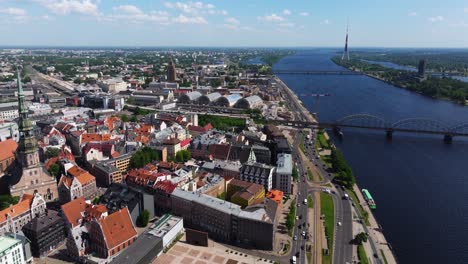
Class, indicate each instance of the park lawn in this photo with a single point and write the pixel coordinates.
(326, 207)
(362, 255)
(322, 141)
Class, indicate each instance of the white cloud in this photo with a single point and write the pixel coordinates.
(286, 12)
(223, 12)
(436, 19)
(231, 23)
(181, 19)
(130, 9)
(64, 7)
(286, 25)
(192, 7)
(47, 18)
(304, 14)
(465, 9)
(412, 14)
(231, 20)
(325, 22)
(13, 11)
(271, 18)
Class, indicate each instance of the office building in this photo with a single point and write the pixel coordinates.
(283, 173)
(258, 173)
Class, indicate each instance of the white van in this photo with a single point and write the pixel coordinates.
(293, 259)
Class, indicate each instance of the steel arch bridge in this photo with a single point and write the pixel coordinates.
(373, 122)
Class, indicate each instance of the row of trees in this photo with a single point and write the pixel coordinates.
(291, 217)
(143, 157)
(182, 156)
(342, 170)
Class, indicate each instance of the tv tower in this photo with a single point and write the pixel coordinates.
(346, 51)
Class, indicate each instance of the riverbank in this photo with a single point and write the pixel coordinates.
(378, 239)
(448, 89)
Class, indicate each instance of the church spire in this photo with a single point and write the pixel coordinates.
(22, 109)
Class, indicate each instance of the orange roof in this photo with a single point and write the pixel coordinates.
(7, 149)
(94, 137)
(96, 211)
(67, 181)
(73, 209)
(17, 209)
(85, 178)
(75, 171)
(118, 228)
(275, 195)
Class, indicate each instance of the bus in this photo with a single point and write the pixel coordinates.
(369, 199)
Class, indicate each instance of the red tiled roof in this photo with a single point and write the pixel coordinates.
(7, 149)
(94, 137)
(118, 228)
(85, 178)
(14, 210)
(185, 142)
(165, 186)
(73, 209)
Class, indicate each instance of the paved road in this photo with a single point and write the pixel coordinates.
(342, 249)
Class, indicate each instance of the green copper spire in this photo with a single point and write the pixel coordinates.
(22, 109)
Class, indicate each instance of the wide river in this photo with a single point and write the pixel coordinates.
(419, 183)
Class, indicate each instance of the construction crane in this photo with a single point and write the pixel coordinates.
(317, 96)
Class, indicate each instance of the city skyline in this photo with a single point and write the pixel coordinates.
(232, 23)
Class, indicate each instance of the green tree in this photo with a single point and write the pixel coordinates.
(54, 170)
(186, 154)
(6, 200)
(179, 157)
(134, 119)
(360, 238)
(143, 218)
(52, 152)
(124, 118)
(96, 200)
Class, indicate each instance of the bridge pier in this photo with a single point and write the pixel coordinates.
(389, 134)
(448, 139)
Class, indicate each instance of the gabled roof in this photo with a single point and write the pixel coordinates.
(73, 211)
(117, 228)
(85, 178)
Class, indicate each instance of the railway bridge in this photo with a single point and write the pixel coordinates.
(372, 122)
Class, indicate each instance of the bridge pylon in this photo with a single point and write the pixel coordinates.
(389, 134)
(448, 139)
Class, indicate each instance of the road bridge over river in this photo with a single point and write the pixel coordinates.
(372, 122)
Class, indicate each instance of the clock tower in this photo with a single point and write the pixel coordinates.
(29, 176)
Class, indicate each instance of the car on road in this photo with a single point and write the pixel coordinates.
(295, 238)
(339, 223)
(303, 233)
(302, 247)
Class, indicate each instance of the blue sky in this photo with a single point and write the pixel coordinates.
(373, 23)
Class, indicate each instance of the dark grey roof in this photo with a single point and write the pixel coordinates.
(118, 196)
(44, 222)
(143, 250)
